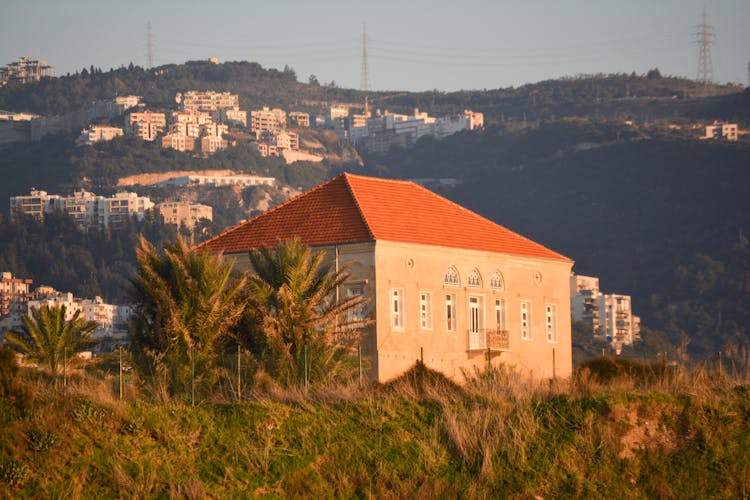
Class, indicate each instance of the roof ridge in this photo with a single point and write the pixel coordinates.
(268, 212)
(346, 176)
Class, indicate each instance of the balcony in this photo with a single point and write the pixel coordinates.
(490, 338)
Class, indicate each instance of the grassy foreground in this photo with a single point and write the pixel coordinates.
(685, 435)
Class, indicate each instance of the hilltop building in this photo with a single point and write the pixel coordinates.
(193, 101)
(445, 284)
(184, 213)
(14, 294)
(299, 119)
(145, 124)
(267, 120)
(610, 315)
(26, 70)
(96, 133)
(218, 180)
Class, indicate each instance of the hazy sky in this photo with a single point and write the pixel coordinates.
(412, 44)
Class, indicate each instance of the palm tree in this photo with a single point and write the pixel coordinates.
(293, 313)
(185, 300)
(47, 337)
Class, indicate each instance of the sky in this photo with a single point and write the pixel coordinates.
(412, 45)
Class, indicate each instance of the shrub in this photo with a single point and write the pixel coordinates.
(13, 472)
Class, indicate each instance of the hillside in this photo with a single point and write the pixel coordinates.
(681, 436)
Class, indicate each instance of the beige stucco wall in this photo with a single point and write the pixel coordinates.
(383, 266)
(421, 268)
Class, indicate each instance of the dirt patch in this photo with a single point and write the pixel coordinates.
(645, 430)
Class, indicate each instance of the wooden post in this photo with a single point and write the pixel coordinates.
(120, 349)
(553, 364)
(239, 372)
(359, 355)
(192, 376)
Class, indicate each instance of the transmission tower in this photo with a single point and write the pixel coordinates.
(364, 82)
(149, 46)
(704, 37)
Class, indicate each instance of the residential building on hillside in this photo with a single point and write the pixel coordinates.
(267, 120)
(282, 140)
(445, 284)
(145, 124)
(14, 294)
(212, 143)
(26, 70)
(178, 141)
(718, 130)
(88, 210)
(96, 133)
(207, 101)
(218, 180)
(112, 329)
(232, 116)
(299, 119)
(184, 213)
(610, 315)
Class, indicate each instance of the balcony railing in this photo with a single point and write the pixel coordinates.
(489, 338)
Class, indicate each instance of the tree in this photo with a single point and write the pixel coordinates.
(47, 337)
(185, 300)
(294, 320)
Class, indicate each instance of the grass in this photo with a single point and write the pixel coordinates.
(677, 434)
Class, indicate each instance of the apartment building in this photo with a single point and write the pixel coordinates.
(299, 119)
(96, 133)
(212, 143)
(184, 213)
(267, 120)
(146, 124)
(229, 115)
(207, 101)
(610, 315)
(26, 70)
(88, 210)
(282, 140)
(14, 294)
(179, 141)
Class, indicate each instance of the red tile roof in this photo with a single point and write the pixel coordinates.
(353, 208)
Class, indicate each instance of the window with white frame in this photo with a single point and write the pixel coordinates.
(500, 313)
(425, 310)
(476, 314)
(496, 281)
(397, 308)
(550, 321)
(526, 319)
(450, 312)
(474, 280)
(451, 276)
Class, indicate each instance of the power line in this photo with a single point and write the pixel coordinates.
(705, 37)
(364, 82)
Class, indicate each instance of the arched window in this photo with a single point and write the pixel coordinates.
(496, 281)
(474, 280)
(451, 276)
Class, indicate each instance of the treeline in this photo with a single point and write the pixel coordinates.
(58, 254)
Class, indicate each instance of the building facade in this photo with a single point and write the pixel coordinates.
(14, 294)
(184, 213)
(267, 120)
(207, 101)
(96, 133)
(26, 70)
(610, 315)
(444, 284)
(725, 131)
(146, 124)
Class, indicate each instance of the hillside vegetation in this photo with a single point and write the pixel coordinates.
(678, 435)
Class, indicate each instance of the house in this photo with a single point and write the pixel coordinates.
(445, 284)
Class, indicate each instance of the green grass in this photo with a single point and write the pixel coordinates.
(685, 435)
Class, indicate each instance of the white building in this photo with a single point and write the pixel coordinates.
(610, 315)
(96, 133)
(218, 180)
(184, 213)
(725, 131)
(88, 210)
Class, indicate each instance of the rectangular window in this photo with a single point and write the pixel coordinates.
(425, 310)
(356, 314)
(500, 313)
(397, 308)
(526, 319)
(550, 321)
(450, 312)
(477, 334)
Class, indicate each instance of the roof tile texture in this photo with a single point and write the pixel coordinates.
(352, 208)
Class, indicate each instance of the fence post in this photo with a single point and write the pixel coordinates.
(239, 373)
(65, 367)
(120, 349)
(720, 367)
(553, 364)
(489, 360)
(421, 354)
(359, 355)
